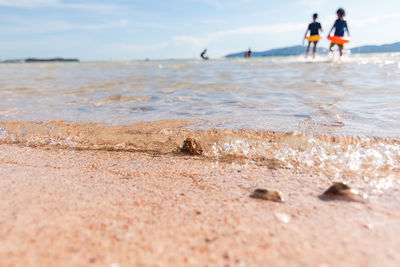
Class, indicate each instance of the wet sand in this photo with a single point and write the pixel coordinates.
(63, 207)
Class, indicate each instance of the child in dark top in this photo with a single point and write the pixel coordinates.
(340, 26)
(314, 29)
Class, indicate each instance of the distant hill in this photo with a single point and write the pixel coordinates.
(387, 48)
(300, 50)
(33, 60)
(279, 52)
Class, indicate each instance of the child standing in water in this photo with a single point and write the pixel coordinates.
(340, 26)
(314, 29)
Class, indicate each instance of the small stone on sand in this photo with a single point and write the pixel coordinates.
(340, 190)
(271, 195)
(191, 146)
(283, 217)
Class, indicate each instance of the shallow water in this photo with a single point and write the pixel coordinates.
(338, 119)
(358, 95)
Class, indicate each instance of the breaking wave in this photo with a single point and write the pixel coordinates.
(333, 157)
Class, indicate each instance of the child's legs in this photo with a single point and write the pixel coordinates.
(341, 49)
(315, 47)
(308, 48)
(331, 47)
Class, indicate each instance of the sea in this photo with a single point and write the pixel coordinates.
(335, 118)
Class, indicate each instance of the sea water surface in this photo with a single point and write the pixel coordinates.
(336, 118)
(359, 95)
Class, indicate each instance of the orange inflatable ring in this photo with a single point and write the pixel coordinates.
(314, 38)
(338, 39)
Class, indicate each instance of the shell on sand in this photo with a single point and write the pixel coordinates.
(271, 195)
(340, 190)
(191, 146)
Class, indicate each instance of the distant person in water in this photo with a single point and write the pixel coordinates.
(247, 54)
(314, 28)
(340, 27)
(203, 54)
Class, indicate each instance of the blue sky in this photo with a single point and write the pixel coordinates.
(158, 29)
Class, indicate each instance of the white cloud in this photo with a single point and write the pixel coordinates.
(18, 26)
(315, 4)
(250, 30)
(213, 21)
(214, 3)
(55, 4)
(28, 3)
(362, 23)
(226, 3)
(135, 48)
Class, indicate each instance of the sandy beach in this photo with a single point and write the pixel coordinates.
(63, 207)
(120, 145)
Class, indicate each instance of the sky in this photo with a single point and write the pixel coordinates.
(162, 29)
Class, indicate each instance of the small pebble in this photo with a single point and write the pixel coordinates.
(368, 226)
(192, 147)
(341, 191)
(283, 217)
(271, 195)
